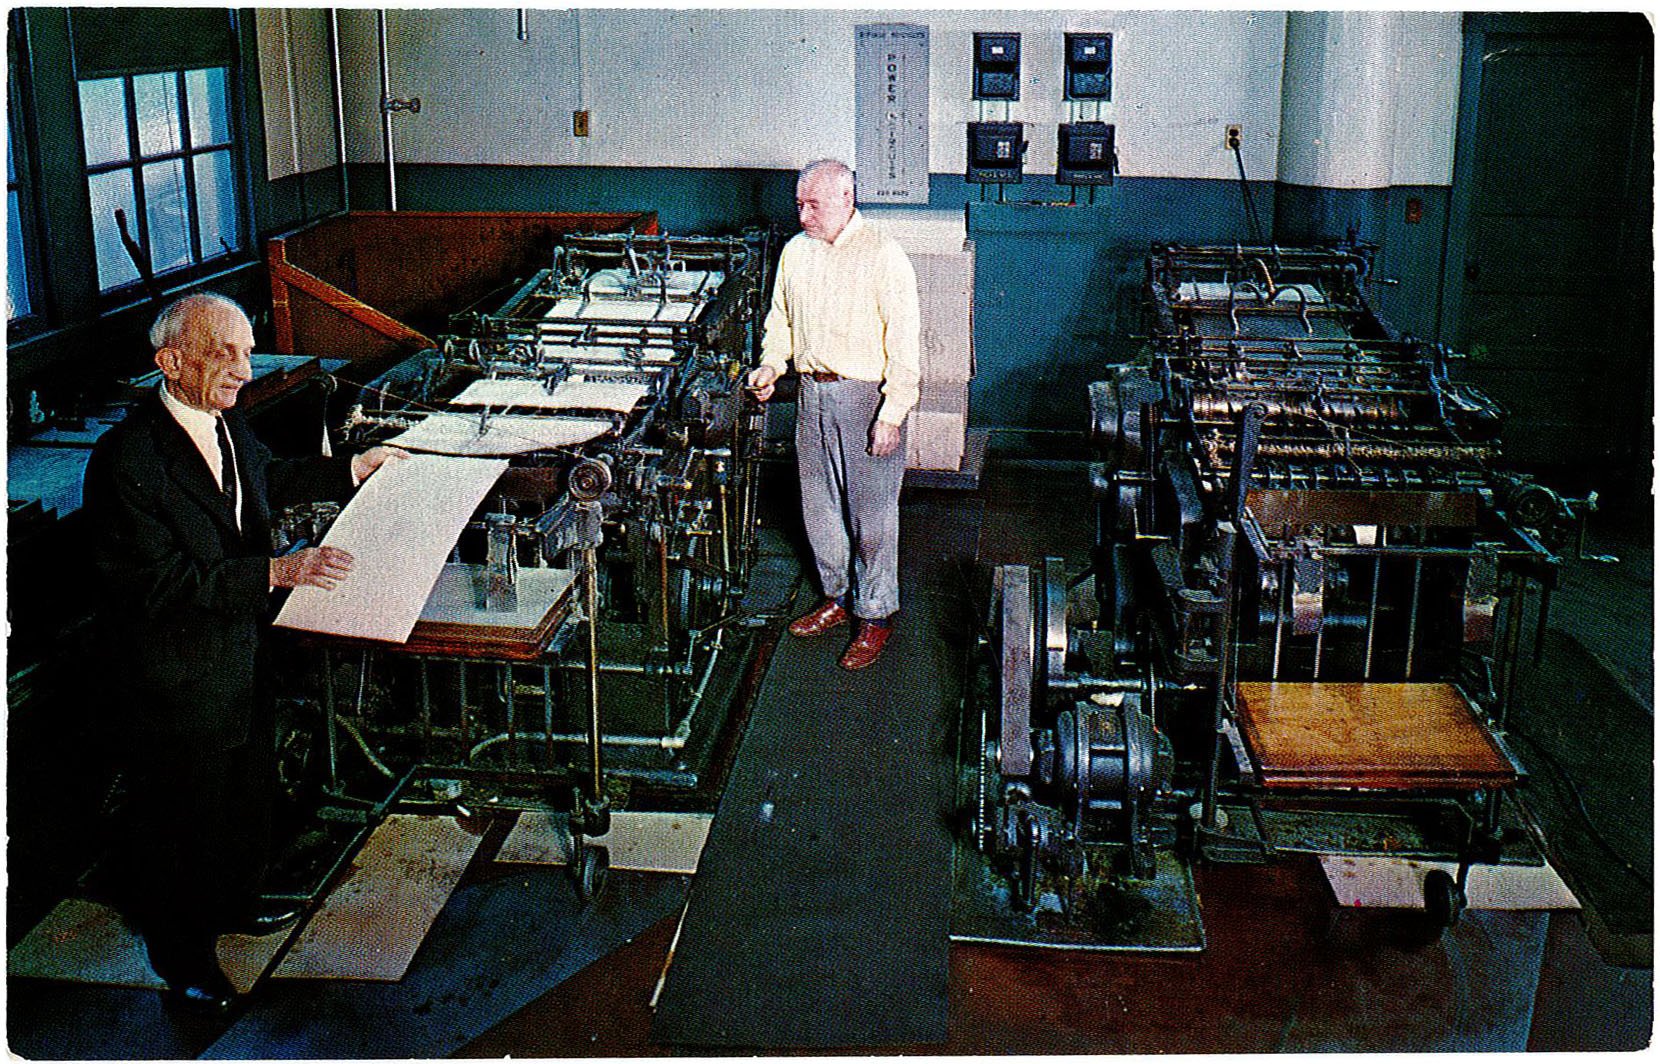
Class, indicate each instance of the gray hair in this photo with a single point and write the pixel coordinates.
(832, 167)
(175, 317)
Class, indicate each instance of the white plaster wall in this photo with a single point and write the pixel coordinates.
(1430, 52)
(774, 88)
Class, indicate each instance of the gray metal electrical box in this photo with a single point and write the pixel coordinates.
(996, 153)
(1087, 154)
(997, 66)
(1088, 66)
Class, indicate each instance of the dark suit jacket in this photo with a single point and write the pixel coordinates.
(186, 594)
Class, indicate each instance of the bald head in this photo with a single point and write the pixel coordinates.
(824, 198)
(203, 342)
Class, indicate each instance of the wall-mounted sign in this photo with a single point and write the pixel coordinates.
(890, 81)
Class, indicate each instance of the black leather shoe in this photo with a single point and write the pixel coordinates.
(210, 1001)
(264, 921)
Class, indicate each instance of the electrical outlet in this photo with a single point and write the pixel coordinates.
(579, 123)
(1232, 139)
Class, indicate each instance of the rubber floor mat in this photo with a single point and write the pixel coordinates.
(819, 916)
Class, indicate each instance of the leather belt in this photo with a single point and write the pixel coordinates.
(823, 376)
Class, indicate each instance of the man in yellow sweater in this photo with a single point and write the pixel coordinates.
(844, 310)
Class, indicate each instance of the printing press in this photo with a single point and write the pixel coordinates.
(1303, 623)
(610, 381)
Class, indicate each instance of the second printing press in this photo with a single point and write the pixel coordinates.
(1301, 631)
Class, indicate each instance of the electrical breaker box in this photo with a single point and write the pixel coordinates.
(996, 153)
(997, 66)
(1087, 154)
(1089, 66)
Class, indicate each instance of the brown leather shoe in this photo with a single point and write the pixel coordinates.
(867, 645)
(827, 616)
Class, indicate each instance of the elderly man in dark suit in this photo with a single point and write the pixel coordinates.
(180, 494)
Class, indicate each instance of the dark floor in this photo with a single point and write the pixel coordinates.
(1283, 971)
(516, 966)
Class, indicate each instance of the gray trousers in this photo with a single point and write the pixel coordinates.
(849, 500)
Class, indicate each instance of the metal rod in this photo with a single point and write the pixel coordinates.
(1219, 711)
(590, 562)
(1412, 614)
(655, 742)
(1319, 645)
(362, 682)
(1405, 551)
(1279, 617)
(663, 584)
(629, 668)
(386, 114)
(329, 717)
(339, 106)
(505, 692)
(426, 700)
(466, 721)
(725, 525)
(1372, 615)
(1093, 683)
(547, 712)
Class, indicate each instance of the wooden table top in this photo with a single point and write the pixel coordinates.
(1381, 736)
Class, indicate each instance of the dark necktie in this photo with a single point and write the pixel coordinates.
(227, 463)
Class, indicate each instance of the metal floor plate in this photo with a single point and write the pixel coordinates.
(1158, 917)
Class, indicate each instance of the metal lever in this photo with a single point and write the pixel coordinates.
(1583, 509)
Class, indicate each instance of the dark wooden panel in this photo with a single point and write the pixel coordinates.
(417, 267)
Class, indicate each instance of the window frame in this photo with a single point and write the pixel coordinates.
(203, 262)
(22, 180)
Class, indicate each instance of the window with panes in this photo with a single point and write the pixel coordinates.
(18, 303)
(160, 156)
(20, 296)
(159, 128)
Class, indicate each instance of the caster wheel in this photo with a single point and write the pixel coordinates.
(1444, 900)
(592, 863)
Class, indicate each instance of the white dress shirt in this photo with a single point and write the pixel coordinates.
(203, 430)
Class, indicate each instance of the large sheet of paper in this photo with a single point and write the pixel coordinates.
(458, 434)
(574, 393)
(399, 529)
(1376, 881)
(372, 923)
(622, 310)
(681, 283)
(638, 841)
(604, 354)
